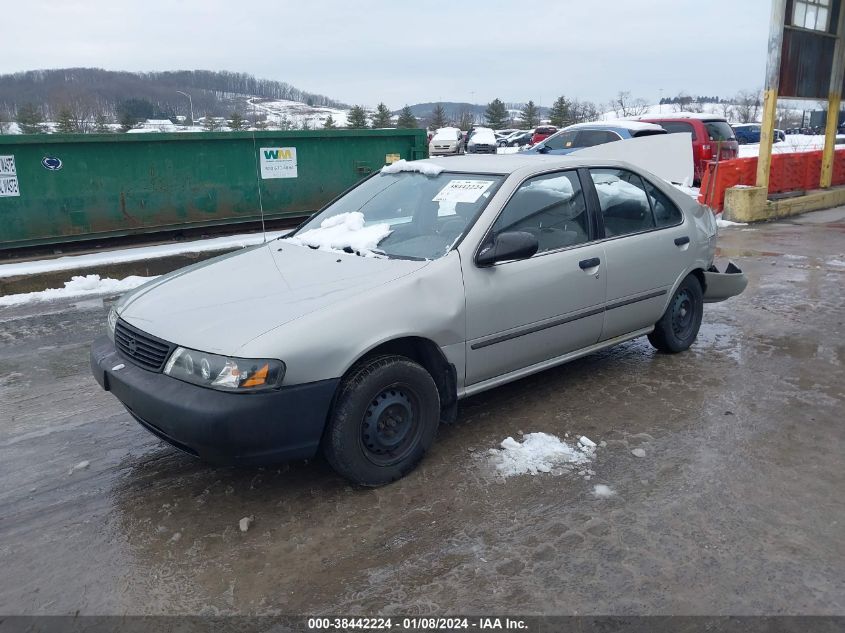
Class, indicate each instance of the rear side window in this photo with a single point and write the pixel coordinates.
(675, 127)
(589, 138)
(551, 207)
(719, 131)
(623, 200)
(665, 211)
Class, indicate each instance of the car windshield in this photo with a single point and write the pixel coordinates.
(719, 131)
(405, 215)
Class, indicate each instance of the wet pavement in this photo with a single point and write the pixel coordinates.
(736, 508)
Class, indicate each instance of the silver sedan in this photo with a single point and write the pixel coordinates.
(358, 333)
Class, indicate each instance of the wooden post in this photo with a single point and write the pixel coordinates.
(833, 101)
(770, 92)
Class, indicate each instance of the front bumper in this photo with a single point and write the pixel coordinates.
(720, 286)
(223, 428)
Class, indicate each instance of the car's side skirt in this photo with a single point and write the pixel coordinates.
(497, 381)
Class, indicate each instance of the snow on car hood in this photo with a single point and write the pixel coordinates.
(221, 304)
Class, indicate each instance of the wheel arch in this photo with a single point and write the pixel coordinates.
(426, 353)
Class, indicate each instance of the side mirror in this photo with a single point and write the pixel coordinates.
(507, 246)
(543, 149)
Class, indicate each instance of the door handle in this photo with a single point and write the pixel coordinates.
(680, 241)
(589, 263)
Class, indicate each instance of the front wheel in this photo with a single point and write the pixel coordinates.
(383, 422)
(678, 328)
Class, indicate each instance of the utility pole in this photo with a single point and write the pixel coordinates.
(190, 102)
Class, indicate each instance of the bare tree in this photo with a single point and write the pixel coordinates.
(747, 106)
(726, 109)
(583, 111)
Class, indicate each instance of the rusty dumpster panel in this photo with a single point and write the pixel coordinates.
(73, 187)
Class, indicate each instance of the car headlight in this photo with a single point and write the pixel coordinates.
(225, 373)
(112, 321)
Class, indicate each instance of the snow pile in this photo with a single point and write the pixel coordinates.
(344, 231)
(426, 169)
(86, 286)
(538, 453)
(135, 254)
(727, 223)
(603, 492)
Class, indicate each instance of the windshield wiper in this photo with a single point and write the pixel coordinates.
(392, 256)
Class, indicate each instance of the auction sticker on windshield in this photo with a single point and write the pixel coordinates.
(462, 191)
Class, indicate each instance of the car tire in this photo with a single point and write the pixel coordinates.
(678, 328)
(383, 422)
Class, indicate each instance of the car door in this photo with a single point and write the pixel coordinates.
(524, 312)
(646, 248)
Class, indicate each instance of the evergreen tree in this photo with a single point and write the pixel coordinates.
(30, 119)
(65, 123)
(329, 123)
(438, 117)
(236, 122)
(559, 114)
(101, 124)
(357, 117)
(382, 117)
(529, 117)
(407, 119)
(126, 122)
(260, 124)
(496, 115)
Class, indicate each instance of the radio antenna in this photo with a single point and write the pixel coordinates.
(258, 185)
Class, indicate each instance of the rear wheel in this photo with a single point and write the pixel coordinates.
(384, 421)
(678, 328)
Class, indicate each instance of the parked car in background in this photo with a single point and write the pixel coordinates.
(750, 133)
(500, 134)
(517, 139)
(542, 132)
(712, 137)
(583, 135)
(446, 141)
(430, 281)
(482, 141)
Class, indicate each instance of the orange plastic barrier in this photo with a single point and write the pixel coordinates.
(797, 171)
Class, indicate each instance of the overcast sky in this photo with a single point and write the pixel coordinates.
(402, 51)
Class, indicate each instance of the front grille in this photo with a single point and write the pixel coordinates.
(139, 347)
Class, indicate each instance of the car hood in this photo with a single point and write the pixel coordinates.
(221, 304)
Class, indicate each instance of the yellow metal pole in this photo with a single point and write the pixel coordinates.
(770, 91)
(834, 99)
(767, 137)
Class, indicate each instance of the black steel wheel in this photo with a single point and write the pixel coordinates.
(384, 420)
(678, 328)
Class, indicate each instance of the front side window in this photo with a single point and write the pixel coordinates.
(405, 215)
(551, 207)
(623, 201)
(811, 14)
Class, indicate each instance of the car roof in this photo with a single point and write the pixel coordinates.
(524, 164)
(626, 124)
(701, 116)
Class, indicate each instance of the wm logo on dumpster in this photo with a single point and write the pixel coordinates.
(276, 154)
